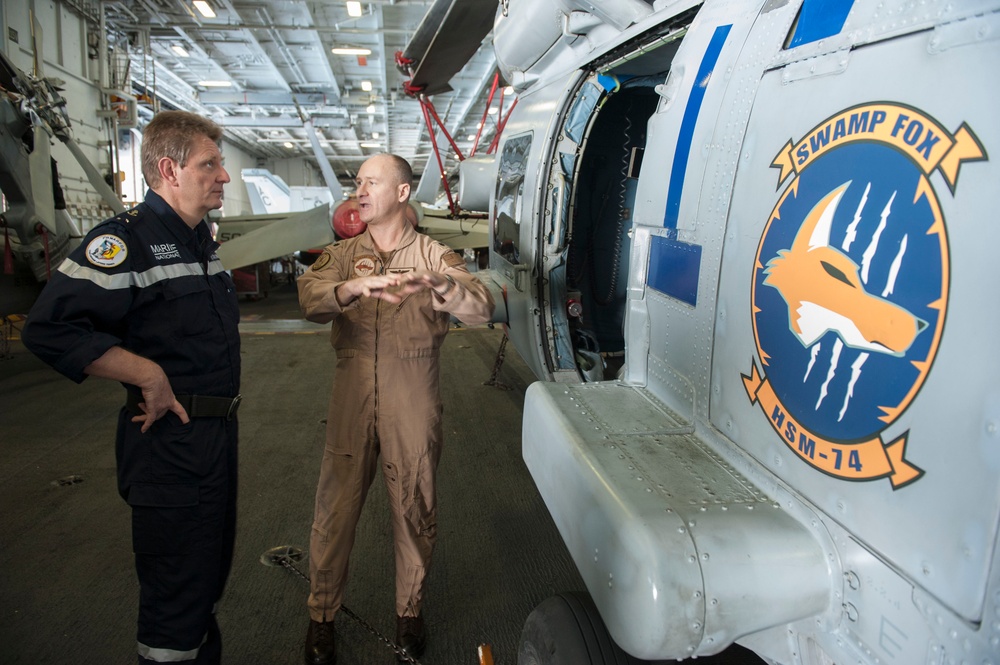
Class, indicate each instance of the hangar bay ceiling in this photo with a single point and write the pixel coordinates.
(265, 69)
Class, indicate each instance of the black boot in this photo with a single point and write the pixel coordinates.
(411, 636)
(320, 646)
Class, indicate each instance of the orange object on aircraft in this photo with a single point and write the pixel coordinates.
(347, 219)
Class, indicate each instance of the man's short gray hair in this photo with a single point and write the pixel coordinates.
(171, 134)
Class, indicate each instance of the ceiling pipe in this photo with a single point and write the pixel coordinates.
(284, 26)
(384, 75)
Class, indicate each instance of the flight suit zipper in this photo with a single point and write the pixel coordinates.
(378, 328)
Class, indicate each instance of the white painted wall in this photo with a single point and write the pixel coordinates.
(298, 171)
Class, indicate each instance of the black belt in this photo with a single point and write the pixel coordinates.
(197, 406)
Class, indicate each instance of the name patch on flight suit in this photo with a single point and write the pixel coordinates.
(107, 251)
(453, 259)
(399, 271)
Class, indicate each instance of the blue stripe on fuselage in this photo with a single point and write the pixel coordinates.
(682, 152)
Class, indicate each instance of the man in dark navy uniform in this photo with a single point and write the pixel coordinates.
(145, 301)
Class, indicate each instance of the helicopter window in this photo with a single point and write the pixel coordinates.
(510, 190)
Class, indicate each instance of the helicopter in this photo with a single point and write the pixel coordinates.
(745, 247)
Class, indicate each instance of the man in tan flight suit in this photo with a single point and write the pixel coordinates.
(390, 293)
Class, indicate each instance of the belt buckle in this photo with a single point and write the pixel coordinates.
(235, 404)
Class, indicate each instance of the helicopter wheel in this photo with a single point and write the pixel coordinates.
(567, 630)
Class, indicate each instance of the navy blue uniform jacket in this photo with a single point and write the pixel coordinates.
(146, 281)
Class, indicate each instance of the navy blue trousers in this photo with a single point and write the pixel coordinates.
(181, 483)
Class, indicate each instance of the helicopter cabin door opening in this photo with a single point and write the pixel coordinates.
(598, 242)
(589, 177)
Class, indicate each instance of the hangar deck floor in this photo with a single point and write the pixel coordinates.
(69, 592)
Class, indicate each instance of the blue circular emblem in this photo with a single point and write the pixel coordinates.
(850, 290)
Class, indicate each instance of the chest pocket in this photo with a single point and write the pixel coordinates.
(187, 306)
(417, 329)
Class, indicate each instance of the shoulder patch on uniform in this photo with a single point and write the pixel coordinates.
(323, 261)
(453, 259)
(107, 251)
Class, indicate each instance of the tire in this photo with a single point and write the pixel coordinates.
(567, 630)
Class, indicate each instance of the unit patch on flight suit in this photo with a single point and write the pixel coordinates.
(453, 259)
(322, 262)
(364, 266)
(107, 251)
(849, 290)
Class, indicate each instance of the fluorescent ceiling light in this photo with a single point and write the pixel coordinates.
(288, 144)
(180, 51)
(353, 8)
(350, 50)
(366, 86)
(370, 110)
(371, 145)
(205, 8)
(375, 135)
(216, 84)
(472, 137)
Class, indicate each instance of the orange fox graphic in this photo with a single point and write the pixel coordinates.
(108, 250)
(823, 291)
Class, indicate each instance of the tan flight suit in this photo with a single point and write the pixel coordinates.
(386, 401)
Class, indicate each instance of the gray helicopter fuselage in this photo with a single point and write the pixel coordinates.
(749, 248)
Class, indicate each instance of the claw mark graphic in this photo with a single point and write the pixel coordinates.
(894, 268)
(866, 258)
(855, 375)
(852, 228)
(813, 352)
(830, 373)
